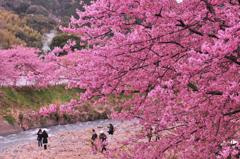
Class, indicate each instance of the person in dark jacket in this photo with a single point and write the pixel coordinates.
(39, 138)
(110, 129)
(45, 139)
(93, 141)
(103, 140)
(149, 134)
(94, 135)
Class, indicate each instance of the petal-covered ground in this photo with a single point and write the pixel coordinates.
(71, 145)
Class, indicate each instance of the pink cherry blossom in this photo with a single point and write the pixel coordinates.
(179, 64)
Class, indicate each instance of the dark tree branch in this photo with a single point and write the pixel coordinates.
(192, 86)
(172, 42)
(233, 59)
(219, 93)
(209, 7)
(232, 113)
(182, 24)
(195, 31)
(160, 13)
(213, 36)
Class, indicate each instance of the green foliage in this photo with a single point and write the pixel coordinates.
(67, 117)
(10, 119)
(61, 39)
(33, 98)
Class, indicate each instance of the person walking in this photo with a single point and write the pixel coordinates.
(45, 139)
(156, 133)
(103, 141)
(39, 137)
(93, 141)
(110, 129)
(150, 134)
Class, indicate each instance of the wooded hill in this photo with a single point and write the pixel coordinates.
(25, 21)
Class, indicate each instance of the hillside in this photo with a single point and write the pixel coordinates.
(15, 31)
(54, 8)
(33, 18)
(15, 100)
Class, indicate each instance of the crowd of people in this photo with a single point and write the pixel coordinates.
(152, 132)
(98, 142)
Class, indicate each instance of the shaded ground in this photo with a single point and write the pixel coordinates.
(72, 144)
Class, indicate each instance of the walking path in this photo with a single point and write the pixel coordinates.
(73, 144)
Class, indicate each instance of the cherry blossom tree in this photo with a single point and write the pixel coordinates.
(19, 62)
(179, 62)
(26, 65)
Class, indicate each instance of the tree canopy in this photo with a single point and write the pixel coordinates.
(180, 62)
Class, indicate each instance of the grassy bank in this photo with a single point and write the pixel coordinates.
(27, 98)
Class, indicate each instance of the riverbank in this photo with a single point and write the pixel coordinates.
(74, 144)
(6, 128)
(17, 102)
(27, 108)
(34, 122)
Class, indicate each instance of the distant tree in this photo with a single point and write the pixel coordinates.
(14, 30)
(19, 62)
(62, 39)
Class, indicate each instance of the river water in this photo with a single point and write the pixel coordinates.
(29, 135)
